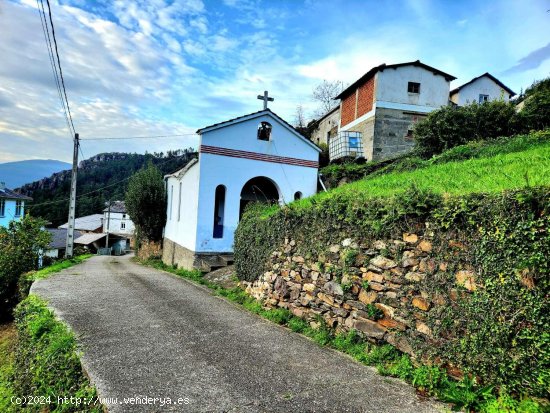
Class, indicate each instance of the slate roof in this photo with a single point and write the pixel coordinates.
(87, 223)
(383, 67)
(9, 194)
(117, 206)
(59, 237)
(490, 76)
(256, 114)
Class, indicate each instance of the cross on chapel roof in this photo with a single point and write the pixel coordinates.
(265, 98)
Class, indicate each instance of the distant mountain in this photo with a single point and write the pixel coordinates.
(16, 174)
(100, 178)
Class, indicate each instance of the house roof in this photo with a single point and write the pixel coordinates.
(59, 237)
(117, 206)
(383, 67)
(180, 172)
(326, 115)
(490, 76)
(86, 239)
(6, 193)
(87, 223)
(257, 115)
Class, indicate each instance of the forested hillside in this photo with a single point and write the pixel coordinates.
(100, 178)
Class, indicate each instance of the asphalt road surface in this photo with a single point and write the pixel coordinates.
(147, 334)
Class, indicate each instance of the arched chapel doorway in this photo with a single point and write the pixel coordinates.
(259, 189)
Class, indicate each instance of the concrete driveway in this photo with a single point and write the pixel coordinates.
(147, 334)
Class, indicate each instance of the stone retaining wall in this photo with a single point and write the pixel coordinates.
(376, 289)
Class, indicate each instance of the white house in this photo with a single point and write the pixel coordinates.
(12, 205)
(256, 157)
(481, 89)
(116, 220)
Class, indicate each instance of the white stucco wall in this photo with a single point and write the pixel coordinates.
(233, 173)
(195, 228)
(115, 223)
(9, 212)
(482, 86)
(391, 87)
(183, 230)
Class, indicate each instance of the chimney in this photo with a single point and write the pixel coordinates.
(2, 186)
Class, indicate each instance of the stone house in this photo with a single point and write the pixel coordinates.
(379, 110)
(326, 127)
(481, 89)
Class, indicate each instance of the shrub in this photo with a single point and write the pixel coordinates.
(20, 245)
(452, 126)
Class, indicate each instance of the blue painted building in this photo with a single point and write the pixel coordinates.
(12, 205)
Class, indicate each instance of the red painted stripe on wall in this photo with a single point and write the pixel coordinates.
(214, 150)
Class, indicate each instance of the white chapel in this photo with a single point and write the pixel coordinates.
(256, 157)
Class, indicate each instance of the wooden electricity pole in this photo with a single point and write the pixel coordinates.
(72, 203)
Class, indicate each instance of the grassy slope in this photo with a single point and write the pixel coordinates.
(489, 171)
(8, 339)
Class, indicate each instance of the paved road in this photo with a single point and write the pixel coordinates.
(147, 333)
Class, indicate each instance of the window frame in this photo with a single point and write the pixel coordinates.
(2, 208)
(411, 86)
(19, 207)
(484, 97)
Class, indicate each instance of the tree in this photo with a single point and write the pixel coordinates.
(299, 117)
(146, 202)
(20, 245)
(325, 92)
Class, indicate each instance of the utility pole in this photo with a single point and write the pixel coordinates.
(108, 224)
(72, 203)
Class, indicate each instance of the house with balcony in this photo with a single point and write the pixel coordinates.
(12, 205)
(379, 110)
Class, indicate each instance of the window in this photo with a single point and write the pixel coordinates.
(123, 216)
(264, 131)
(409, 133)
(483, 98)
(219, 209)
(297, 196)
(18, 208)
(413, 87)
(123, 225)
(2, 207)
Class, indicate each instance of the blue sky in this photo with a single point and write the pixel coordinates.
(158, 67)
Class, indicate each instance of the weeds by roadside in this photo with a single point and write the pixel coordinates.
(466, 394)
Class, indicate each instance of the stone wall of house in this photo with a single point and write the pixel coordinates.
(376, 289)
(391, 136)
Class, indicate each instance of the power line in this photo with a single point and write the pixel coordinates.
(47, 39)
(140, 137)
(59, 64)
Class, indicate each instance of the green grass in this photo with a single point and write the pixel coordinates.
(8, 340)
(58, 266)
(478, 167)
(429, 380)
(47, 363)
